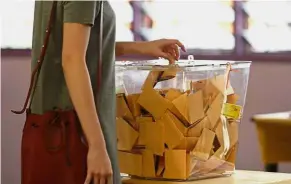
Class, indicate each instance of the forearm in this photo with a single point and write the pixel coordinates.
(79, 86)
(127, 48)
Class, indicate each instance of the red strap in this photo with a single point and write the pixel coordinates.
(36, 71)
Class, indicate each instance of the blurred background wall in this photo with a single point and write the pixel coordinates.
(216, 30)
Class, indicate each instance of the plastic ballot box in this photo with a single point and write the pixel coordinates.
(179, 122)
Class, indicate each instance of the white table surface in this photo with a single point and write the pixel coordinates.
(239, 177)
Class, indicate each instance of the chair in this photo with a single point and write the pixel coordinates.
(274, 134)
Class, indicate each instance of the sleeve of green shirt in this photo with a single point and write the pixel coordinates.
(83, 12)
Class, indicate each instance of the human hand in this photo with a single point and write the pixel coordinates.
(99, 170)
(165, 48)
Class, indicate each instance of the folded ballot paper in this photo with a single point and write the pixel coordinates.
(178, 134)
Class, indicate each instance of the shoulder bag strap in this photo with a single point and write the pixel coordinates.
(36, 71)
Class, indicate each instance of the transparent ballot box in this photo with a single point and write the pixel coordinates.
(179, 122)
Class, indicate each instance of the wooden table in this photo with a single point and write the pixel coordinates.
(239, 177)
(274, 138)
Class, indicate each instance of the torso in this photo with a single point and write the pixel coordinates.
(51, 90)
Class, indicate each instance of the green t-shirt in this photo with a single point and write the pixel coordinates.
(51, 90)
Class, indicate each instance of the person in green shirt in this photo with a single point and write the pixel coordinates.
(69, 72)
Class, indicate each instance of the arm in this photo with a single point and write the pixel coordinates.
(125, 48)
(76, 31)
(165, 48)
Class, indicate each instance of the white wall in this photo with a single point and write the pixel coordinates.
(269, 91)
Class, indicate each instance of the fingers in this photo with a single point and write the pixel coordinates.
(176, 42)
(106, 179)
(110, 180)
(175, 51)
(167, 56)
(103, 180)
(89, 178)
(96, 179)
(172, 52)
(99, 179)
